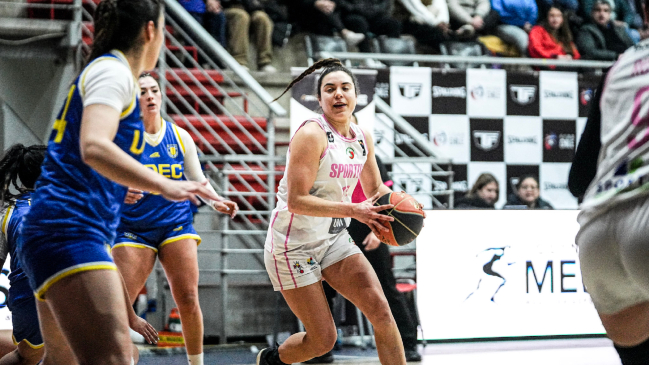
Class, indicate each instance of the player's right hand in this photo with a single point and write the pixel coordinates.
(141, 326)
(187, 190)
(366, 212)
(133, 196)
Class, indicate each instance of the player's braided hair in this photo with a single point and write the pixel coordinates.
(330, 65)
(20, 162)
(118, 24)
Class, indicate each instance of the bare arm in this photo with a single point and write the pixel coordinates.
(98, 129)
(138, 324)
(371, 175)
(306, 148)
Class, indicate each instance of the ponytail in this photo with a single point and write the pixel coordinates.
(330, 65)
(20, 163)
(118, 24)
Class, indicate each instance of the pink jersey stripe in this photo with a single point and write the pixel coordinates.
(288, 263)
(352, 139)
(272, 248)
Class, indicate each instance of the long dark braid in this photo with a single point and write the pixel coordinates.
(118, 24)
(20, 163)
(329, 63)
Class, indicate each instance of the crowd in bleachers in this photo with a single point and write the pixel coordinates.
(562, 29)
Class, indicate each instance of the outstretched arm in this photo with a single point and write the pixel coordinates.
(194, 172)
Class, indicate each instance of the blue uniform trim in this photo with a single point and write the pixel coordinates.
(156, 237)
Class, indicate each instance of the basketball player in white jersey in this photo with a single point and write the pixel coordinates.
(614, 236)
(307, 240)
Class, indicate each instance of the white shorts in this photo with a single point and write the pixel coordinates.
(614, 256)
(302, 265)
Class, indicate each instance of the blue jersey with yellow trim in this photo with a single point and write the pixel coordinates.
(70, 195)
(11, 228)
(165, 156)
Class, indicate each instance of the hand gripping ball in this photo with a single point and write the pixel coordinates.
(408, 218)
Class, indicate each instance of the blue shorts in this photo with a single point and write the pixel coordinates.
(48, 256)
(155, 237)
(24, 319)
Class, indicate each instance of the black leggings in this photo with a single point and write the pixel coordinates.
(379, 25)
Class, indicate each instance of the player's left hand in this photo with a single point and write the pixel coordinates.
(226, 207)
(371, 242)
(133, 196)
(141, 326)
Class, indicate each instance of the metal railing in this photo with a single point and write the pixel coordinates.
(417, 174)
(421, 58)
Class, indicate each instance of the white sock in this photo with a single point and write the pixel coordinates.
(195, 359)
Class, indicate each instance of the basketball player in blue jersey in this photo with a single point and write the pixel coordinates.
(92, 156)
(152, 225)
(24, 163)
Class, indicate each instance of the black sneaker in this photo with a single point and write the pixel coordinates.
(262, 356)
(327, 358)
(412, 356)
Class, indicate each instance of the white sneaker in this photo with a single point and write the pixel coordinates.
(136, 337)
(268, 69)
(245, 67)
(353, 39)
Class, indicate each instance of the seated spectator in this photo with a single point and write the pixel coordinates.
(553, 38)
(242, 17)
(369, 16)
(472, 16)
(602, 39)
(428, 24)
(323, 17)
(527, 194)
(517, 18)
(623, 13)
(209, 14)
(483, 195)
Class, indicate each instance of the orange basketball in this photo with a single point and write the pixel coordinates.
(408, 218)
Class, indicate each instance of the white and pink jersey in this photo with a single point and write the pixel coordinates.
(623, 164)
(339, 171)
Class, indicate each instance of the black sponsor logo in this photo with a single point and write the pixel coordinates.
(486, 140)
(337, 225)
(555, 186)
(523, 94)
(449, 92)
(558, 94)
(516, 139)
(410, 90)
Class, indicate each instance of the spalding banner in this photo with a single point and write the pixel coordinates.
(498, 274)
(304, 99)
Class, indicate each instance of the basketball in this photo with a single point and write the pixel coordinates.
(408, 218)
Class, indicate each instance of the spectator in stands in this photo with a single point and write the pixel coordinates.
(602, 39)
(242, 17)
(527, 194)
(483, 195)
(623, 13)
(369, 17)
(428, 24)
(552, 38)
(209, 14)
(323, 17)
(472, 16)
(517, 18)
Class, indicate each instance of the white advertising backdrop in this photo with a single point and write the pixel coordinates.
(493, 274)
